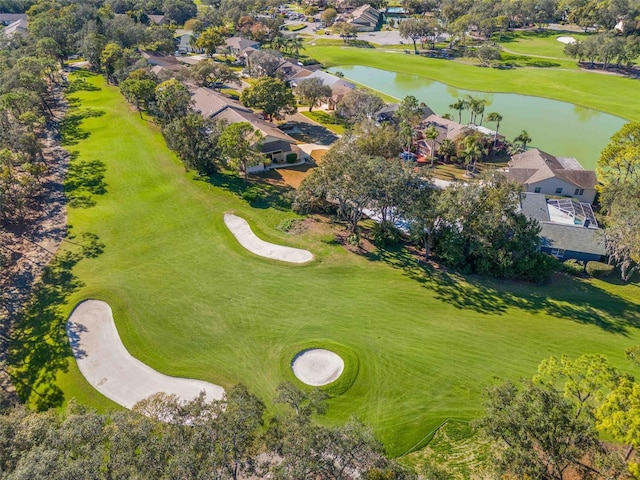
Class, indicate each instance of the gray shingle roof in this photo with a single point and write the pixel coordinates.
(534, 205)
(575, 239)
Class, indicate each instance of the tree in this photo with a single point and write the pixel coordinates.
(619, 162)
(482, 230)
(270, 95)
(111, 59)
(415, 28)
(346, 178)
(622, 226)
(346, 30)
(304, 403)
(497, 118)
(329, 16)
(239, 146)
(179, 11)
(486, 53)
(173, 100)
(422, 216)
(139, 88)
(459, 105)
(210, 73)
(431, 133)
(311, 90)
(582, 381)
(209, 40)
(358, 104)
(447, 149)
(473, 150)
(195, 139)
(523, 138)
(294, 45)
(263, 63)
(538, 434)
(410, 111)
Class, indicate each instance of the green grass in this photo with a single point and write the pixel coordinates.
(539, 43)
(295, 27)
(327, 120)
(605, 93)
(189, 301)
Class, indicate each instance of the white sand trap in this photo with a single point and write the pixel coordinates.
(566, 39)
(110, 368)
(317, 367)
(243, 233)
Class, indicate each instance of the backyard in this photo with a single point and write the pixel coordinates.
(189, 301)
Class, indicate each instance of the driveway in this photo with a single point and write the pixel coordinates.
(307, 131)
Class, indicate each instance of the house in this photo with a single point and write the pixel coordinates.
(568, 228)
(277, 146)
(365, 18)
(9, 18)
(238, 45)
(158, 19)
(18, 27)
(339, 87)
(290, 70)
(184, 43)
(448, 130)
(388, 113)
(540, 172)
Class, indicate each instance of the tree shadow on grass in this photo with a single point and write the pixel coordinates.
(70, 128)
(39, 348)
(84, 180)
(565, 297)
(79, 84)
(257, 192)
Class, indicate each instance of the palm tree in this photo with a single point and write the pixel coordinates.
(523, 138)
(447, 149)
(495, 117)
(459, 105)
(476, 107)
(472, 152)
(294, 45)
(431, 133)
(278, 42)
(406, 132)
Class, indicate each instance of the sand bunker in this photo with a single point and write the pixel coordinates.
(566, 39)
(110, 368)
(317, 367)
(243, 233)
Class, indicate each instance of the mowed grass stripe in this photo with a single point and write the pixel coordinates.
(189, 301)
(603, 92)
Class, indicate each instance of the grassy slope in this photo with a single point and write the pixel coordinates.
(606, 93)
(189, 301)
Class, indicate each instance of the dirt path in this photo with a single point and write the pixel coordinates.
(28, 250)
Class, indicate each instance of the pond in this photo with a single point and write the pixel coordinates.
(558, 128)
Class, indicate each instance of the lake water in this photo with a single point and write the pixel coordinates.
(558, 128)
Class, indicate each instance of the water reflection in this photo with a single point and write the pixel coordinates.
(562, 129)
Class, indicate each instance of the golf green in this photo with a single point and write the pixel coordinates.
(189, 301)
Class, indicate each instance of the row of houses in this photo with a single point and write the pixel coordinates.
(278, 147)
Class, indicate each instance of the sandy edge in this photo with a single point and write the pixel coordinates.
(245, 236)
(566, 40)
(317, 366)
(112, 370)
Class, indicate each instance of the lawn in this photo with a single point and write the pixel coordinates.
(189, 301)
(325, 119)
(606, 93)
(544, 43)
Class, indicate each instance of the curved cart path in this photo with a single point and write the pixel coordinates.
(110, 368)
(243, 233)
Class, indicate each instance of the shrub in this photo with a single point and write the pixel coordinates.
(292, 157)
(385, 233)
(573, 267)
(250, 196)
(599, 269)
